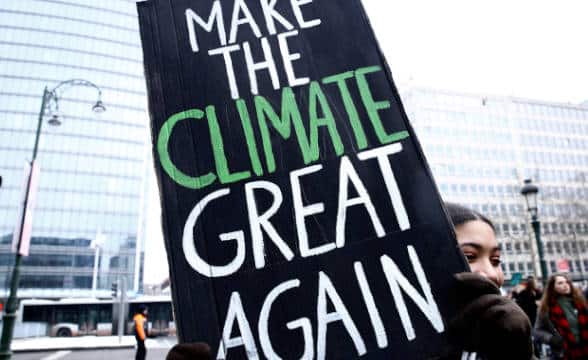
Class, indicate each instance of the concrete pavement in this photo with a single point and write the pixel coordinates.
(52, 344)
(107, 354)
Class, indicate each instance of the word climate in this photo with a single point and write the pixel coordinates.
(307, 131)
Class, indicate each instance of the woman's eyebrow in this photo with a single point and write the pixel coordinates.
(474, 245)
(479, 247)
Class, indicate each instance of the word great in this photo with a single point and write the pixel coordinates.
(306, 127)
(260, 222)
(327, 293)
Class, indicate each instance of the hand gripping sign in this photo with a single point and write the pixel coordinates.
(300, 218)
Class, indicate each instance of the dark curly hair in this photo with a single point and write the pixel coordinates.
(460, 215)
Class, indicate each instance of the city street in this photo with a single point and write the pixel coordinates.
(152, 354)
(156, 350)
(293, 179)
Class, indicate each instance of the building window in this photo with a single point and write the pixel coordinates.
(505, 228)
(553, 266)
(526, 246)
(558, 248)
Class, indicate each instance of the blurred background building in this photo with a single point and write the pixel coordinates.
(89, 218)
(481, 148)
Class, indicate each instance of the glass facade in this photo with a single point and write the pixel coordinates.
(480, 150)
(88, 215)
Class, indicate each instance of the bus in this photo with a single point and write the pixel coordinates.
(81, 317)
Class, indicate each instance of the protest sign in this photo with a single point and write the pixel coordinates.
(300, 217)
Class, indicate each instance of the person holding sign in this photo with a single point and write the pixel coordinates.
(489, 325)
(477, 240)
(290, 174)
(195, 351)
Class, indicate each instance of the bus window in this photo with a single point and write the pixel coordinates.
(66, 314)
(105, 313)
(36, 313)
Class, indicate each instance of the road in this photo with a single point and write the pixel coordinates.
(157, 350)
(152, 354)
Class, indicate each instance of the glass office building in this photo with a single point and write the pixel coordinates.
(481, 148)
(88, 220)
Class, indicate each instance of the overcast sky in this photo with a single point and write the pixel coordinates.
(532, 49)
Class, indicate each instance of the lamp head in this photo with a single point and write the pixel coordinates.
(54, 121)
(530, 191)
(99, 107)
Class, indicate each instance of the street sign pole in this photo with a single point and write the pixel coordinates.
(9, 317)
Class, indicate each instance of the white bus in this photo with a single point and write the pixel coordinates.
(78, 317)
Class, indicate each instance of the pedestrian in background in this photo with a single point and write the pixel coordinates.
(528, 297)
(488, 325)
(562, 322)
(140, 329)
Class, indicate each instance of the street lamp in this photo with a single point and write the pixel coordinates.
(49, 104)
(530, 191)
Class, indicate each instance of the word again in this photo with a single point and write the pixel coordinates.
(328, 294)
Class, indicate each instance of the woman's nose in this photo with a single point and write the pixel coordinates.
(487, 270)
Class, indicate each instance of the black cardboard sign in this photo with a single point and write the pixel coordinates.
(300, 217)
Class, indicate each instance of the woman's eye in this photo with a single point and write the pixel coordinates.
(471, 257)
(496, 262)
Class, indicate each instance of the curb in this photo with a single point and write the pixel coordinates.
(73, 348)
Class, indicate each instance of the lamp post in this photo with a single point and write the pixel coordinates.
(49, 104)
(530, 191)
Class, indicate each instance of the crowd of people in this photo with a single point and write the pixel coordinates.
(490, 325)
(559, 315)
(555, 319)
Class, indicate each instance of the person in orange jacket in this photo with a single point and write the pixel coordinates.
(140, 329)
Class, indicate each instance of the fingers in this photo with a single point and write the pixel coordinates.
(476, 284)
(191, 351)
(508, 317)
(467, 327)
(494, 326)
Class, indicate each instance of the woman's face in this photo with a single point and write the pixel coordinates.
(561, 286)
(478, 243)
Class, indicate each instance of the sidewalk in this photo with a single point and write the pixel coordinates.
(73, 343)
